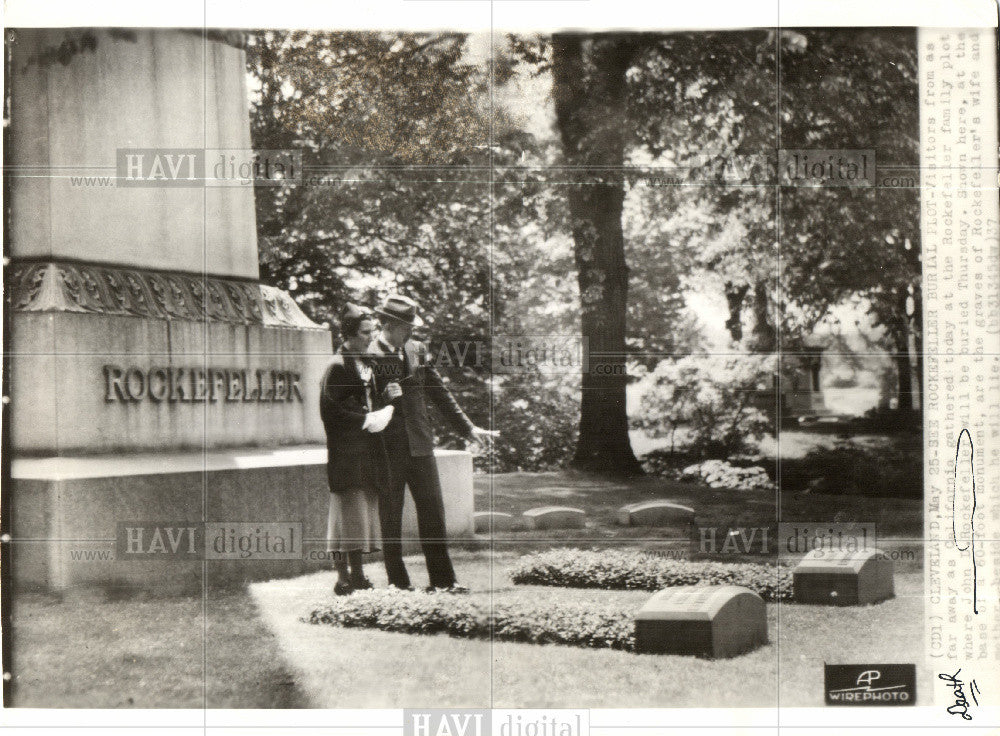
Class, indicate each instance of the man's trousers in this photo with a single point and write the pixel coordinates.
(421, 475)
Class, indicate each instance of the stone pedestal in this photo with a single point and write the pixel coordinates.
(455, 472)
(72, 517)
(110, 359)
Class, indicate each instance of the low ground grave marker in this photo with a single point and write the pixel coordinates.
(659, 512)
(498, 521)
(711, 621)
(555, 517)
(843, 578)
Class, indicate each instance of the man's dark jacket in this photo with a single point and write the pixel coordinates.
(355, 458)
(420, 381)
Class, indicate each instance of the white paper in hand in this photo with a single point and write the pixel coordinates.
(376, 421)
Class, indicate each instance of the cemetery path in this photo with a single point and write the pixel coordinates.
(357, 668)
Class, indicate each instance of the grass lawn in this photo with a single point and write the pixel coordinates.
(252, 650)
(85, 651)
(403, 670)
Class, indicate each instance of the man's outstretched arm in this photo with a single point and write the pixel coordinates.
(445, 402)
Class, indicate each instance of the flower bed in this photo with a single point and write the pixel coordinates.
(473, 617)
(721, 474)
(633, 570)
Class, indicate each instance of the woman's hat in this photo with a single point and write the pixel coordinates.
(399, 307)
(351, 318)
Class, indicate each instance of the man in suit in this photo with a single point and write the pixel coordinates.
(405, 377)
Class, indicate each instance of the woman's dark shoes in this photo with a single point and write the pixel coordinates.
(362, 584)
(342, 587)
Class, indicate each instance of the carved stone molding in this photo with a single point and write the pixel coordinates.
(95, 289)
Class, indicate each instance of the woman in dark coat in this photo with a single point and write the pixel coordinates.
(356, 461)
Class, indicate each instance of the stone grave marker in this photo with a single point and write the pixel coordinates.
(718, 621)
(555, 517)
(843, 578)
(498, 521)
(659, 512)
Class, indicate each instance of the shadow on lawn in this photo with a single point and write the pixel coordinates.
(94, 650)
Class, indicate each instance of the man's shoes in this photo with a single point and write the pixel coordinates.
(342, 588)
(453, 589)
(362, 584)
(407, 588)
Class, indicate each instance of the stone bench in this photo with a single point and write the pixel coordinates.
(555, 517)
(843, 578)
(659, 512)
(718, 621)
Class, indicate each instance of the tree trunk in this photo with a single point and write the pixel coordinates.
(589, 90)
(904, 368)
(918, 342)
(765, 336)
(904, 392)
(735, 294)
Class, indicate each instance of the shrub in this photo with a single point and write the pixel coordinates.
(712, 397)
(854, 469)
(666, 462)
(882, 420)
(476, 617)
(537, 416)
(721, 474)
(633, 570)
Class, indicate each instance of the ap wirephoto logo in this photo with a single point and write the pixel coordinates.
(870, 684)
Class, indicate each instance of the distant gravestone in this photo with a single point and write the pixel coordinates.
(497, 521)
(655, 513)
(555, 517)
(710, 621)
(843, 578)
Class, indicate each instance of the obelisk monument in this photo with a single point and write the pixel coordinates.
(146, 360)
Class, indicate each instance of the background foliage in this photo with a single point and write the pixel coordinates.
(438, 172)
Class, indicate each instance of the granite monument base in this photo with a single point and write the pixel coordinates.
(151, 369)
(175, 522)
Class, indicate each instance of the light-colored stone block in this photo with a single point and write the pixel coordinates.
(455, 472)
(843, 578)
(497, 521)
(60, 387)
(555, 517)
(710, 621)
(69, 498)
(659, 512)
(116, 96)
